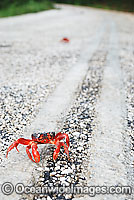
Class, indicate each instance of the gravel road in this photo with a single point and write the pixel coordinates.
(84, 88)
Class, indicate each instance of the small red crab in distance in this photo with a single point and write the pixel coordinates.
(65, 39)
(42, 138)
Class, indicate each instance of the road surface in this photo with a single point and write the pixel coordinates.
(84, 88)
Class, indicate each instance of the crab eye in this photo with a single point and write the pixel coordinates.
(53, 134)
(34, 135)
(40, 137)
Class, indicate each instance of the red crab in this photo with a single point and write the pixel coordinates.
(42, 138)
(65, 39)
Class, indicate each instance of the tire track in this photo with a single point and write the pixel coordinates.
(107, 162)
(79, 126)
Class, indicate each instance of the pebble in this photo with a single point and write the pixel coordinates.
(69, 179)
(47, 169)
(57, 168)
(73, 166)
(67, 171)
(48, 198)
(80, 149)
(68, 196)
(39, 169)
(62, 179)
(65, 183)
(76, 134)
(53, 174)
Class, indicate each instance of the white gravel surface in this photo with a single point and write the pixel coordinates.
(39, 75)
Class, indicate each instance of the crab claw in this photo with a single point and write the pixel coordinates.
(16, 143)
(60, 136)
(30, 144)
(35, 153)
(57, 150)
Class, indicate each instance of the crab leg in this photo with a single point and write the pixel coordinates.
(57, 150)
(60, 136)
(35, 153)
(15, 144)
